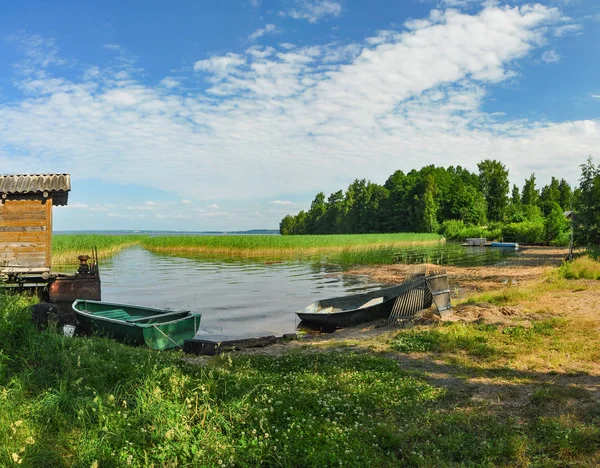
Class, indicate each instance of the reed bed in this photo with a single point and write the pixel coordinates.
(66, 247)
(283, 246)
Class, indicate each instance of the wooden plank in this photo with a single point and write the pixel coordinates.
(23, 222)
(34, 216)
(24, 250)
(23, 209)
(21, 269)
(16, 245)
(19, 204)
(35, 264)
(26, 228)
(28, 236)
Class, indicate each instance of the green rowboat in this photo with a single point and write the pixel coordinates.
(156, 328)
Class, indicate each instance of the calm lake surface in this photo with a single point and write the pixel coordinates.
(244, 298)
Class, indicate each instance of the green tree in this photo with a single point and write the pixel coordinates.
(515, 195)
(555, 223)
(493, 180)
(287, 225)
(565, 197)
(331, 222)
(429, 221)
(316, 212)
(587, 218)
(530, 193)
(551, 192)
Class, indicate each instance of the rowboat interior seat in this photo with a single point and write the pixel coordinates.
(169, 315)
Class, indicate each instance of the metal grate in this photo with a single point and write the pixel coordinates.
(419, 292)
(437, 283)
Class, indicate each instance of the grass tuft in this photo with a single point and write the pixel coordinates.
(581, 268)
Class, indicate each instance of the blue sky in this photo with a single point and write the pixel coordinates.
(228, 115)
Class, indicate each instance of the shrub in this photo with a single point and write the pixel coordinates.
(528, 231)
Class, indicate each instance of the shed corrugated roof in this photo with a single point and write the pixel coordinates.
(32, 183)
(57, 185)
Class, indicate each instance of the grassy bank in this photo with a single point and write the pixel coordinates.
(522, 392)
(283, 246)
(66, 247)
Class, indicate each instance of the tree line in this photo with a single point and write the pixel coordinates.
(455, 202)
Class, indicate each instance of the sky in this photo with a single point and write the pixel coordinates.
(227, 115)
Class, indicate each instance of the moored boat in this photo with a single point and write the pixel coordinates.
(156, 328)
(505, 245)
(351, 310)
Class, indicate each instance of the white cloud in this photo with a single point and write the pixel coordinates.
(550, 56)
(99, 207)
(169, 82)
(299, 119)
(185, 201)
(282, 202)
(313, 10)
(595, 96)
(255, 3)
(269, 28)
(567, 28)
(222, 66)
(77, 206)
(214, 206)
(112, 46)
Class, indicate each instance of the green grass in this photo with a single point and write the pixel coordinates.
(91, 401)
(66, 247)
(476, 340)
(583, 267)
(285, 246)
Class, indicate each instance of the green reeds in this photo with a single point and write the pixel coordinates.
(283, 246)
(66, 247)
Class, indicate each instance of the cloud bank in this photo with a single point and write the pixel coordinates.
(268, 122)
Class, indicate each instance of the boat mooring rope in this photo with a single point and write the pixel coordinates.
(167, 336)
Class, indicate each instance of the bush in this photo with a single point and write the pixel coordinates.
(458, 230)
(528, 231)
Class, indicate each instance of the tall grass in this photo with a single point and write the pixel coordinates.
(283, 246)
(66, 247)
(582, 267)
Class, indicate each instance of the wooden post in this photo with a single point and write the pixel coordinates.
(49, 233)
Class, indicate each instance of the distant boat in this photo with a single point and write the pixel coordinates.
(505, 245)
(351, 310)
(156, 328)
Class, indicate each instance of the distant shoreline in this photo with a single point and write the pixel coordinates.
(169, 233)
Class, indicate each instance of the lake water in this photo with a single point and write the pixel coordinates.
(236, 298)
(244, 298)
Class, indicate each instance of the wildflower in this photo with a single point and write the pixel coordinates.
(30, 440)
(94, 464)
(16, 458)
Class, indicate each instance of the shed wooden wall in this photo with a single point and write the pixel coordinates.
(26, 234)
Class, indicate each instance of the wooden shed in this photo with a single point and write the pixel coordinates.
(26, 202)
